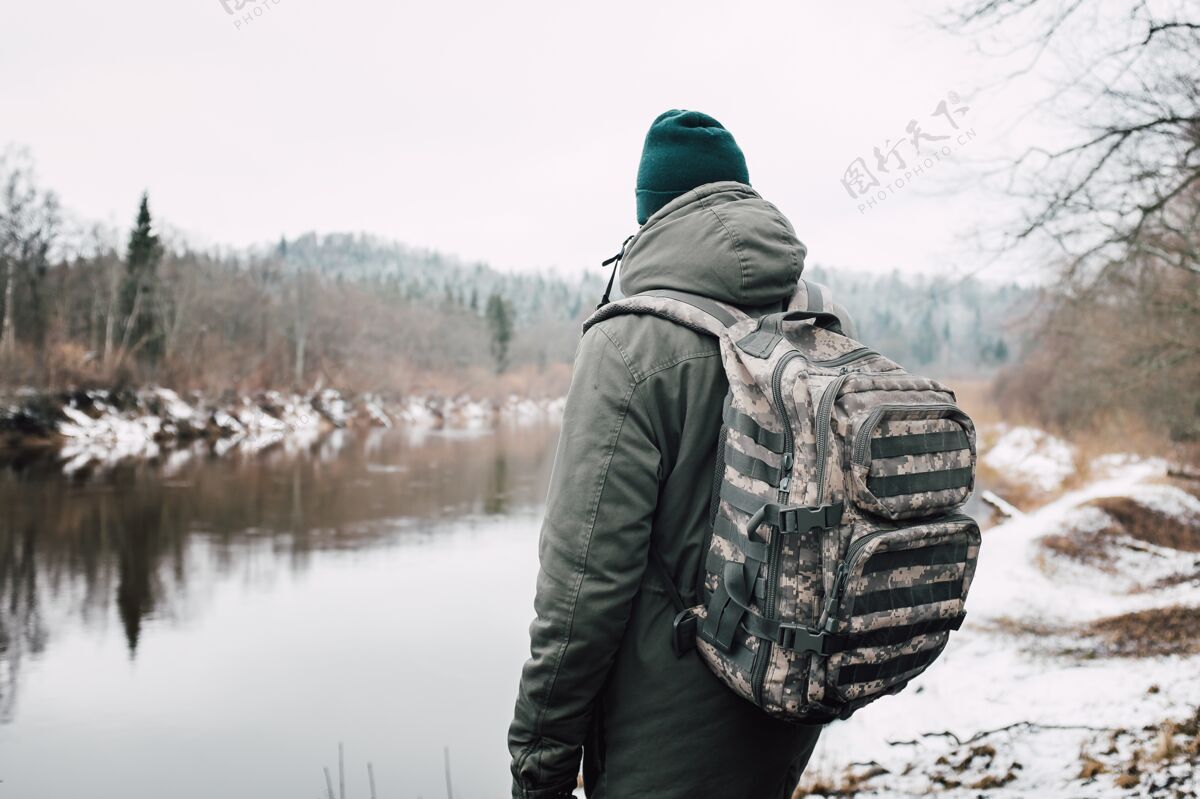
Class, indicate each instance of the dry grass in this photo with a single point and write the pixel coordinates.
(548, 381)
(975, 396)
(1092, 547)
(850, 782)
(1091, 767)
(1129, 518)
(1116, 432)
(1113, 431)
(1152, 526)
(1008, 625)
(1157, 753)
(1171, 630)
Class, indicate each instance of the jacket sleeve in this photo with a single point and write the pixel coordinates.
(593, 551)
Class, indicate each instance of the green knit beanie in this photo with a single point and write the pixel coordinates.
(683, 150)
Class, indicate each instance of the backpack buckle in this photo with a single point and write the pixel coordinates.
(798, 638)
(797, 519)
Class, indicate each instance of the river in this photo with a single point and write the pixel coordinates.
(205, 626)
(199, 626)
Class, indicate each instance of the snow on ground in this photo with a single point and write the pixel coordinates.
(376, 412)
(174, 409)
(98, 433)
(1031, 456)
(1005, 711)
(110, 436)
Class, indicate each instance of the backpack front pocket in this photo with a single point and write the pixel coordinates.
(898, 594)
(909, 461)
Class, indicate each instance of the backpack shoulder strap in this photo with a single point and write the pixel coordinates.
(702, 314)
(817, 298)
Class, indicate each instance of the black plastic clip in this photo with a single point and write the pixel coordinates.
(683, 632)
(798, 638)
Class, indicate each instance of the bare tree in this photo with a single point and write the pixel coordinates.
(1125, 80)
(29, 225)
(300, 290)
(1119, 203)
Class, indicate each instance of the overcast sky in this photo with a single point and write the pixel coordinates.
(506, 132)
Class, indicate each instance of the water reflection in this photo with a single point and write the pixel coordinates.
(80, 546)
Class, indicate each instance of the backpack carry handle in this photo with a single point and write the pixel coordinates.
(769, 330)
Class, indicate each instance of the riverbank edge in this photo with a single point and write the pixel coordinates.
(32, 420)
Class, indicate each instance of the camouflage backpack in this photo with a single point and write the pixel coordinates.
(838, 560)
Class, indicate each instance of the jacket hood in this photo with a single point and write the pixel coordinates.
(721, 240)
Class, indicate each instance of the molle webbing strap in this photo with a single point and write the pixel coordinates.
(868, 672)
(724, 617)
(793, 637)
(919, 443)
(898, 635)
(895, 485)
(730, 603)
(752, 467)
(715, 564)
(741, 499)
(754, 550)
(937, 555)
(741, 654)
(736, 420)
(906, 597)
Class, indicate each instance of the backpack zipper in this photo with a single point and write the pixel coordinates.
(761, 660)
(849, 357)
(863, 437)
(760, 657)
(843, 572)
(824, 420)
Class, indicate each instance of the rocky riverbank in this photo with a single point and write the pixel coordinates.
(111, 426)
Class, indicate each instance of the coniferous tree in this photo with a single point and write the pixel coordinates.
(500, 325)
(139, 300)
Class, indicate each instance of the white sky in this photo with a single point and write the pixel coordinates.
(498, 131)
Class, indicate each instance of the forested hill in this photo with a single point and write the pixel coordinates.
(421, 274)
(940, 325)
(944, 325)
(362, 313)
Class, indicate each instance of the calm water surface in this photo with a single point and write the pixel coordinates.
(203, 627)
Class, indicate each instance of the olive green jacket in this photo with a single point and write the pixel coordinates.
(634, 469)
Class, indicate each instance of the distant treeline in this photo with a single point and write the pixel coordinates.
(360, 313)
(306, 313)
(945, 326)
